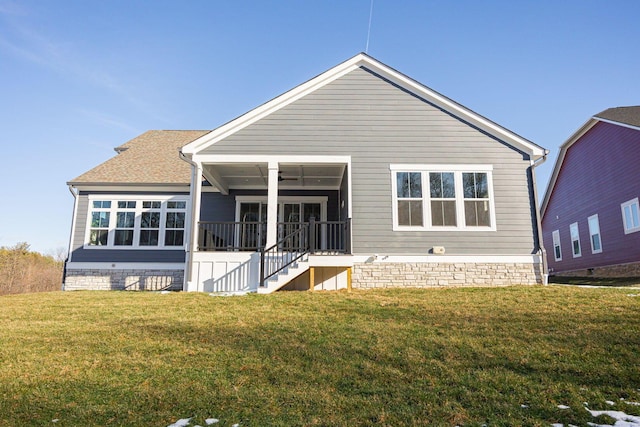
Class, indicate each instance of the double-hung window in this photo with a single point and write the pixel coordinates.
(150, 223)
(476, 199)
(409, 201)
(631, 216)
(99, 222)
(122, 222)
(557, 249)
(594, 234)
(442, 197)
(575, 240)
(174, 223)
(125, 223)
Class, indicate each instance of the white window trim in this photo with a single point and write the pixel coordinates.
(458, 170)
(628, 228)
(556, 242)
(577, 228)
(114, 198)
(591, 233)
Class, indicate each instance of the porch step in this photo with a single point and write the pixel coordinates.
(284, 277)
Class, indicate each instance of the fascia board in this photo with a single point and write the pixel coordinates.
(613, 122)
(362, 60)
(560, 160)
(132, 187)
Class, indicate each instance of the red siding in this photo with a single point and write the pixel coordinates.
(600, 171)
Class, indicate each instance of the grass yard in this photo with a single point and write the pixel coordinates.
(494, 356)
(596, 281)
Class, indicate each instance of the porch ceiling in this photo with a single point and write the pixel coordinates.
(292, 176)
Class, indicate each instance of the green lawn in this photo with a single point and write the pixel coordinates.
(398, 358)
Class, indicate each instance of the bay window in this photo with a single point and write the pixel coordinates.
(455, 197)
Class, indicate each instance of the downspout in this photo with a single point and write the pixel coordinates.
(541, 250)
(71, 235)
(190, 247)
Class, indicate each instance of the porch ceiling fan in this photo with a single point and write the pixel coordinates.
(281, 178)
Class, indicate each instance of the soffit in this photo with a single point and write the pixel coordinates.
(292, 176)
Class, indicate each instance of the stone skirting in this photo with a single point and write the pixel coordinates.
(433, 274)
(610, 271)
(135, 280)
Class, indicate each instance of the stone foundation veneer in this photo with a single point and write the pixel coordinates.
(136, 280)
(439, 274)
(610, 271)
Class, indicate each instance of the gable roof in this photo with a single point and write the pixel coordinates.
(365, 61)
(151, 158)
(622, 116)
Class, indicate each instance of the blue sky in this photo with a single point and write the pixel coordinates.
(78, 78)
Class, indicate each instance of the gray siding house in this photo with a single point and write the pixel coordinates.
(360, 177)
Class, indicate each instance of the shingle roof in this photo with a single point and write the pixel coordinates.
(151, 158)
(625, 115)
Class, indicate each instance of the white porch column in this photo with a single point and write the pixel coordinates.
(272, 205)
(196, 197)
(195, 205)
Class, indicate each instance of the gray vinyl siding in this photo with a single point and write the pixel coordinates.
(378, 124)
(217, 207)
(79, 254)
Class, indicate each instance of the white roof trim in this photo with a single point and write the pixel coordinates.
(133, 187)
(363, 60)
(613, 122)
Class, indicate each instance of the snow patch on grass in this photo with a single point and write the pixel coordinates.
(184, 422)
(622, 419)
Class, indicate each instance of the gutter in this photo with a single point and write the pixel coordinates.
(71, 234)
(541, 250)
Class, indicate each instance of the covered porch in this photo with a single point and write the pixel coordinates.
(258, 220)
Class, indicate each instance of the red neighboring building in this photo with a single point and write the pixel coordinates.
(590, 211)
